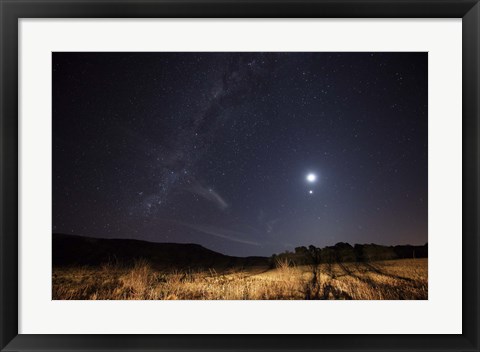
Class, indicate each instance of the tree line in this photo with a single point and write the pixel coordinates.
(344, 252)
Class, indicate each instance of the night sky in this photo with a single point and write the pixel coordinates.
(217, 148)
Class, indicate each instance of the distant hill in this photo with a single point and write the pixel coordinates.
(70, 250)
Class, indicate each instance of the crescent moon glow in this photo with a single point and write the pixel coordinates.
(311, 177)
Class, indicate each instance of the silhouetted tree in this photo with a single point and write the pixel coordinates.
(314, 260)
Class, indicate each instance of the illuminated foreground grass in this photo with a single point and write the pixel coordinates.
(387, 280)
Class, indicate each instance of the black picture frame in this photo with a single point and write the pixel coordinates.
(12, 10)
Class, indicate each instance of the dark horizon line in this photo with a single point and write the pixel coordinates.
(250, 256)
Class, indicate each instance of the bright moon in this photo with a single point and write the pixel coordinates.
(311, 192)
(311, 177)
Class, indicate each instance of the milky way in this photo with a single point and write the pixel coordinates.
(218, 148)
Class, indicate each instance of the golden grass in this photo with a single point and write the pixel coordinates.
(388, 280)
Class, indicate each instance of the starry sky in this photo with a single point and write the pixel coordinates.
(243, 153)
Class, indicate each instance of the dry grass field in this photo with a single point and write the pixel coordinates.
(381, 280)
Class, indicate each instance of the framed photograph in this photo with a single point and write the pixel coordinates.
(239, 175)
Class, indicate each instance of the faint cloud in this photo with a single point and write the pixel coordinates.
(209, 194)
(222, 233)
